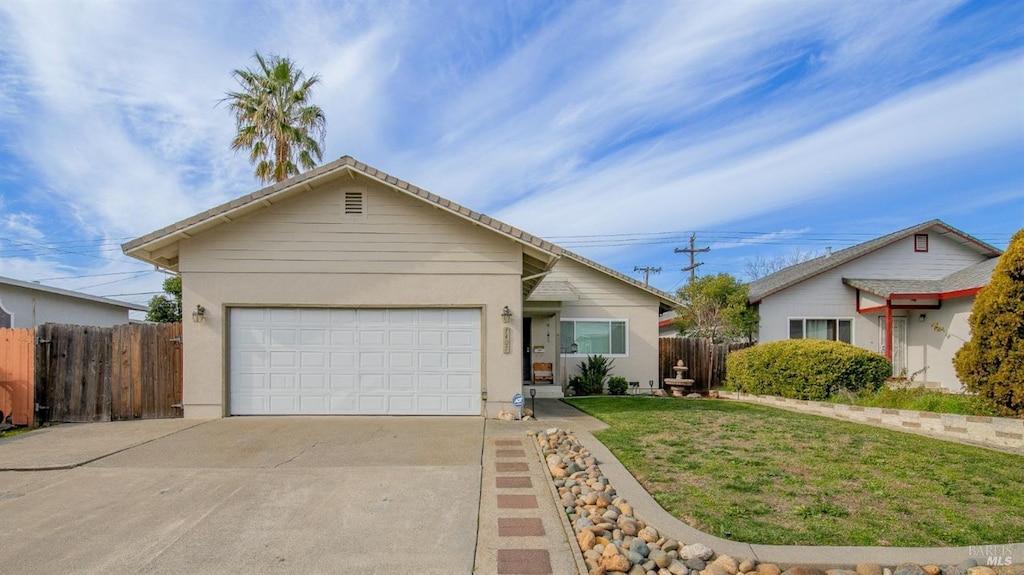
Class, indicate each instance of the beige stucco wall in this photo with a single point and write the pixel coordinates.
(205, 367)
(306, 252)
(604, 297)
(29, 308)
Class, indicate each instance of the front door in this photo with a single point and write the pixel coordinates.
(899, 346)
(527, 349)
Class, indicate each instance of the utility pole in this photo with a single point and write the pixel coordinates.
(692, 268)
(647, 273)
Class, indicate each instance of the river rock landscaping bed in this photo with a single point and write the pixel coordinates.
(613, 540)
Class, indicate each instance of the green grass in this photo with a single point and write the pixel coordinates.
(922, 400)
(776, 477)
(14, 431)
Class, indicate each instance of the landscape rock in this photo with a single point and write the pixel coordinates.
(747, 565)
(869, 569)
(586, 540)
(932, 569)
(840, 572)
(768, 569)
(695, 550)
(695, 563)
(981, 570)
(677, 568)
(713, 569)
(648, 534)
(726, 562)
(915, 569)
(660, 558)
(803, 570)
(506, 415)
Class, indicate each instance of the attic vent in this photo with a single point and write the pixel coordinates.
(354, 203)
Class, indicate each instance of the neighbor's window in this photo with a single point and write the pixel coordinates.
(830, 329)
(592, 337)
(920, 242)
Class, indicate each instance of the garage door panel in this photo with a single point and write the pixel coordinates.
(284, 316)
(431, 381)
(345, 361)
(282, 381)
(280, 359)
(402, 338)
(461, 405)
(401, 360)
(401, 382)
(372, 404)
(371, 382)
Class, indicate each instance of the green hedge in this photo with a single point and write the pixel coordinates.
(805, 369)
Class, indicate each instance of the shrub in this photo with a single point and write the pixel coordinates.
(992, 363)
(805, 369)
(594, 372)
(617, 385)
(576, 385)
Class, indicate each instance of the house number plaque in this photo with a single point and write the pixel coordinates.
(507, 343)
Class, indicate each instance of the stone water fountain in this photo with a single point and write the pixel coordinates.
(678, 386)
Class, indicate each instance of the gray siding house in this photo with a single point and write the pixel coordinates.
(906, 295)
(27, 304)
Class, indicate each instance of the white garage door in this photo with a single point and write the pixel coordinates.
(355, 361)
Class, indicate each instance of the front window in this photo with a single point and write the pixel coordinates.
(594, 337)
(815, 328)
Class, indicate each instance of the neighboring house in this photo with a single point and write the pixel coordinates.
(28, 304)
(885, 295)
(346, 290)
(667, 325)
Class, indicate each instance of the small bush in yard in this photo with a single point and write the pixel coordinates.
(617, 385)
(992, 363)
(594, 373)
(805, 369)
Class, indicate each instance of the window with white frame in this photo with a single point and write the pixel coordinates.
(595, 336)
(833, 329)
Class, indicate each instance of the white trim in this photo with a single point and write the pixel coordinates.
(9, 313)
(837, 319)
(601, 319)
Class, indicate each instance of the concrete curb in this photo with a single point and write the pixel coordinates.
(783, 555)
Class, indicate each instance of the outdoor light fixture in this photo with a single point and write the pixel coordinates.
(506, 315)
(922, 317)
(199, 313)
(574, 348)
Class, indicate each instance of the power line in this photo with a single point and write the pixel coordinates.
(692, 268)
(88, 276)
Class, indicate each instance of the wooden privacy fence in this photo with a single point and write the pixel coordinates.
(16, 376)
(705, 360)
(88, 374)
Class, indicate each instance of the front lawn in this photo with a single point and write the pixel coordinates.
(764, 475)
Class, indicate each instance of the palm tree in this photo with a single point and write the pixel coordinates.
(276, 123)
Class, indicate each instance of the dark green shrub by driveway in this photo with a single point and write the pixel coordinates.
(805, 369)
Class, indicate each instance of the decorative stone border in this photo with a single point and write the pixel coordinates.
(1003, 433)
(613, 540)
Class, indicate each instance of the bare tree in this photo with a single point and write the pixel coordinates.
(760, 266)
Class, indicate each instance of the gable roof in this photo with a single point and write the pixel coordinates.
(795, 274)
(68, 293)
(160, 247)
(959, 283)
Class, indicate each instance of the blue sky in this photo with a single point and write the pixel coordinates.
(613, 128)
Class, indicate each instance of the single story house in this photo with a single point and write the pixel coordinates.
(28, 304)
(906, 295)
(345, 290)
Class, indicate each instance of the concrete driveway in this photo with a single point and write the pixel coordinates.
(253, 495)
